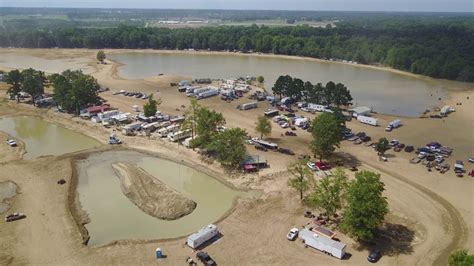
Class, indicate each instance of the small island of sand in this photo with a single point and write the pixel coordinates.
(150, 194)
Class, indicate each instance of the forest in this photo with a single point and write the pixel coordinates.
(435, 47)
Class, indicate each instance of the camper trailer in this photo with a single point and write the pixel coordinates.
(271, 112)
(128, 129)
(322, 243)
(200, 237)
(266, 144)
(207, 94)
(315, 107)
(247, 106)
(367, 120)
(179, 135)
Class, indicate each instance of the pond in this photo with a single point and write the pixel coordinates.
(43, 138)
(386, 92)
(114, 217)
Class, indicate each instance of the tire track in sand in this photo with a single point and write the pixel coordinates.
(453, 220)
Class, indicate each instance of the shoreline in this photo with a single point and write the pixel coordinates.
(205, 52)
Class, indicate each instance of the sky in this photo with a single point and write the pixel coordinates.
(346, 5)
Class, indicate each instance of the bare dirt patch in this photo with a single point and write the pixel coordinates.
(150, 194)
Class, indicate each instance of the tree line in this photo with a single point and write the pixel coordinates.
(431, 49)
(72, 90)
(331, 94)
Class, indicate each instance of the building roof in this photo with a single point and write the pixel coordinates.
(254, 159)
(361, 109)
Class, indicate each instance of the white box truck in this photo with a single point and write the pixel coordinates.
(322, 243)
(200, 237)
(367, 120)
(394, 124)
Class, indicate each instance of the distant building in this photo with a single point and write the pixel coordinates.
(360, 110)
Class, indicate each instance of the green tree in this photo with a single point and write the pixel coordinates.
(330, 193)
(207, 123)
(282, 85)
(190, 114)
(302, 176)
(13, 78)
(382, 146)
(32, 82)
(230, 148)
(74, 90)
(366, 206)
(260, 79)
(461, 258)
(100, 56)
(150, 108)
(326, 132)
(263, 126)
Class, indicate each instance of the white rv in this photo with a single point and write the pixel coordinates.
(367, 120)
(179, 135)
(316, 107)
(204, 234)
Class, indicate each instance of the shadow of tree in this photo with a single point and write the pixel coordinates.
(392, 239)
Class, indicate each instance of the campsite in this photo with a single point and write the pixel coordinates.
(444, 197)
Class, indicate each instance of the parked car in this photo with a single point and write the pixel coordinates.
(323, 166)
(471, 173)
(400, 145)
(292, 234)
(260, 147)
(471, 159)
(439, 159)
(374, 256)
(205, 258)
(361, 134)
(365, 138)
(421, 155)
(393, 142)
(11, 142)
(409, 148)
(286, 151)
(415, 160)
(289, 133)
(312, 166)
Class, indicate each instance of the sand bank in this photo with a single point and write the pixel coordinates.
(7, 191)
(152, 195)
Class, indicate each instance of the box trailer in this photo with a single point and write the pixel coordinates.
(200, 237)
(207, 94)
(367, 120)
(247, 106)
(322, 243)
(266, 144)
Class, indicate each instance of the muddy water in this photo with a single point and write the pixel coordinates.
(24, 61)
(386, 92)
(43, 138)
(114, 217)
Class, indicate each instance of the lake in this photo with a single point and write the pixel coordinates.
(386, 92)
(113, 216)
(43, 138)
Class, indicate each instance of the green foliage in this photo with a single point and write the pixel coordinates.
(207, 122)
(366, 206)
(330, 193)
(229, 145)
(326, 132)
(100, 56)
(74, 90)
(263, 126)
(382, 146)
(190, 117)
(461, 258)
(149, 109)
(260, 79)
(302, 176)
(32, 82)
(331, 95)
(427, 44)
(13, 78)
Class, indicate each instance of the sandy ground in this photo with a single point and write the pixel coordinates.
(429, 210)
(150, 194)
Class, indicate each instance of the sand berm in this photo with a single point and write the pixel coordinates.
(150, 194)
